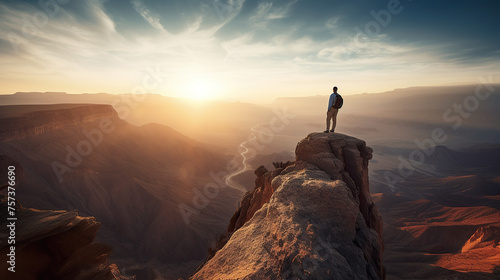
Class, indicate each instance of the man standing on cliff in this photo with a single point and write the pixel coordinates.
(334, 104)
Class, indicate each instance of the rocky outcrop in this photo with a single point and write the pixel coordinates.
(22, 121)
(250, 203)
(344, 158)
(254, 200)
(488, 236)
(53, 245)
(313, 219)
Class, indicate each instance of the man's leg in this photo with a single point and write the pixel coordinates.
(329, 115)
(334, 119)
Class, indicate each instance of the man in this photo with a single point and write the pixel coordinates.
(331, 114)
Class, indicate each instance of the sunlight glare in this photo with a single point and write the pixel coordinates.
(201, 88)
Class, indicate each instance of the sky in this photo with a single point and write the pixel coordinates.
(245, 50)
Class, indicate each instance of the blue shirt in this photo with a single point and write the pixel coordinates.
(333, 96)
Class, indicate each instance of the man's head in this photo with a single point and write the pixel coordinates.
(335, 89)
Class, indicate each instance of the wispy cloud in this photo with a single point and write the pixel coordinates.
(57, 36)
(152, 19)
(270, 11)
(234, 41)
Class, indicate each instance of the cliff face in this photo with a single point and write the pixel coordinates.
(312, 219)
(132, 179)
(344, 158)
(54, 245)
(16, 125)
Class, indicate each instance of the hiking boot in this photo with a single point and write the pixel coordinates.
(326, 131)
(331, 130)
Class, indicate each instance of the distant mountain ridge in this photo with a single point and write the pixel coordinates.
(216, 123)
(22, 121)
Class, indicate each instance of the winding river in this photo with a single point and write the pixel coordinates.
(229, 179)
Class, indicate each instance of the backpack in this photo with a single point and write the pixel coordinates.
(339, 101)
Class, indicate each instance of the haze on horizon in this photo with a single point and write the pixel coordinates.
(245, 50)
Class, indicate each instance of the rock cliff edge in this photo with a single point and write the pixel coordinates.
(310, 219)
(56, 245)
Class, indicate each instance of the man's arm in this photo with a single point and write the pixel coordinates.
(331, 101)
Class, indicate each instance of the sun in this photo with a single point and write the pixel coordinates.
(201, 88)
